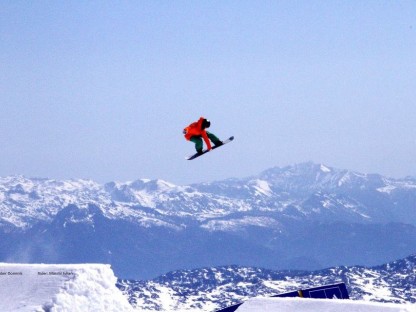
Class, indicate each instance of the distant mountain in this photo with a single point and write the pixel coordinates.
(305, 216)
(209, 289)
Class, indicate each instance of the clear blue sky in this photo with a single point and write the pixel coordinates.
(103, 89)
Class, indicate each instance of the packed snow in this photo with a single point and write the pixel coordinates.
(321, 305)
(74, 287)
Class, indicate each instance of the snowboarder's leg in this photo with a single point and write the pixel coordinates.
(198, 143)
(214, 139)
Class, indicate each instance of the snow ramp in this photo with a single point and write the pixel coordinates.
(321, 305)
(60, 287)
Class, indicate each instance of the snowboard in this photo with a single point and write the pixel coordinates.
(196, 155)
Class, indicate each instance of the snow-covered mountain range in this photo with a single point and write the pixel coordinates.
(291, 191)
(209, 289)
(305, 216)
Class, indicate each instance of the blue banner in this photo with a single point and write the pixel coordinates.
(335, 291)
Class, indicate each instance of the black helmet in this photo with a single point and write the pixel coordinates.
(206, 123)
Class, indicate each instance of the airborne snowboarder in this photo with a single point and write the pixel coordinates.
(196, 132)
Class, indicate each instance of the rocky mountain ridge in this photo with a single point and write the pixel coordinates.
(209, 289)
(305, 190)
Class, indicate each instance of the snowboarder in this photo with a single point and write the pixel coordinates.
(195, 132)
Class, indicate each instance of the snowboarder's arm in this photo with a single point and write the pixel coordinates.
(206, 139)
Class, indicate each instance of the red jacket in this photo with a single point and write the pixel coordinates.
(195, 129)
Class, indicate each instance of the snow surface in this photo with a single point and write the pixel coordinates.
(54, 288)
(321, 305)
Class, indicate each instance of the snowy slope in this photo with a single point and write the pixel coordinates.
(321, 305)
(75, 287)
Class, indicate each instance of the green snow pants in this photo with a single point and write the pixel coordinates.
(197, 139)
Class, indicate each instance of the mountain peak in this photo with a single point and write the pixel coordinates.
(152, 185)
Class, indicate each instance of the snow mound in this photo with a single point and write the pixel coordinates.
(321, 305)
(53, 288)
